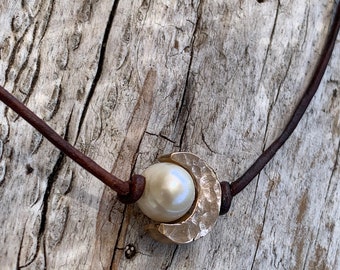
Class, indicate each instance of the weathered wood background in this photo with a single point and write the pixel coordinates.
(229, 74)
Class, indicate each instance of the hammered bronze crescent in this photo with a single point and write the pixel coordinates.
(203, 214)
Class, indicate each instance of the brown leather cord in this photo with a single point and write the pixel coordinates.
(128, 195)
(238, 185)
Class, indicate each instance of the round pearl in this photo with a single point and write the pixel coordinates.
(169, 192)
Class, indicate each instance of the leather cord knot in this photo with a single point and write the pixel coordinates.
(226, 197)
(136, 189)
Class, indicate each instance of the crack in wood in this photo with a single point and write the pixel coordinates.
(54, 102)
(20, 41)
(117, 247)
(335, 167)
(11, 60)
(268, 120)
(282, 81)
(185, 104)
(171, 261)
(35, 77)
(46, 20)
(46, 198)
(21, 246)
(25, 63)
(100, 65)
(306, 20)
(160, 136)
(262, 226)
(206, 143)
(270, 42)
(45, 201)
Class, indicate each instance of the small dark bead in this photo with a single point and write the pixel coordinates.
(130, 251)
(225, 198)
(137, 185)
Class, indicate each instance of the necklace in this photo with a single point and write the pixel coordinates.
(191, 197)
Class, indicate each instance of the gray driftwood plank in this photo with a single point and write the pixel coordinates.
(229, 74)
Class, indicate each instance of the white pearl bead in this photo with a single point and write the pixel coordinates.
(169, 192)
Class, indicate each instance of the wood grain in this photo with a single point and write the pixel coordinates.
(229, 74)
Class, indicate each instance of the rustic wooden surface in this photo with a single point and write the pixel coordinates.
(229, 74)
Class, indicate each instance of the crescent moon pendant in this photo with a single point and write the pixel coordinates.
(204, 212)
